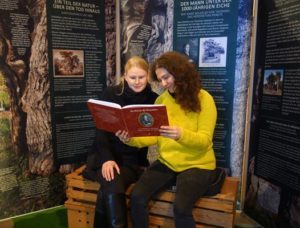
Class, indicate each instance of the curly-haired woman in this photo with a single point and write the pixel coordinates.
(185, 147)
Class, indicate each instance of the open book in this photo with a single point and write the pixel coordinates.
(138, 120)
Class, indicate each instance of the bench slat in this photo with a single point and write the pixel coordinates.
(81, 196)
(83, 184)
(79, 205)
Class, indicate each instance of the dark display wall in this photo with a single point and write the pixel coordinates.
(273, 190)
(77, 66)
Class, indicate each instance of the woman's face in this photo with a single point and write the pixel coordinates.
(136, 79)
(166, 79)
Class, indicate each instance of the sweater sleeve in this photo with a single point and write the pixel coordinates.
(142, 141)
(202, 138)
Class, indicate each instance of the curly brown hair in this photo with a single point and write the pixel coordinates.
(186, 79)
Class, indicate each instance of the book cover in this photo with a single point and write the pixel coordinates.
(138, 120)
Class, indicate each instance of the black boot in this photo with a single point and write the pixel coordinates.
(100, 220)
(115, 205)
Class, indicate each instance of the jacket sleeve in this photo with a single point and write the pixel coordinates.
(103, 146)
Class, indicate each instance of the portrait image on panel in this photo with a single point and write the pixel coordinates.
(273, 80)
(68, 63)
(189, 47)
(212, 52)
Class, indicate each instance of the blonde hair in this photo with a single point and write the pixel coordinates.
(136, 61)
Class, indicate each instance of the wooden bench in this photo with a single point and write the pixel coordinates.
(214, 211)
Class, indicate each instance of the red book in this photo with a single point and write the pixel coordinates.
(138, 120)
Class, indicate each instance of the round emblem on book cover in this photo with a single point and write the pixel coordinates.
(146, 119)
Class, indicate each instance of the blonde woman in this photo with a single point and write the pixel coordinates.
(115, 164)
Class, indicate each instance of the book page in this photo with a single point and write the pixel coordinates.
(105, 103)
(142, 106)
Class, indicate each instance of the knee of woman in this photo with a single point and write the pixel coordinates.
(138, 199)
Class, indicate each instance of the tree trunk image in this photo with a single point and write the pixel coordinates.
(29, 88)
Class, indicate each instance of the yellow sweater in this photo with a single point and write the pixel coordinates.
(194, 149)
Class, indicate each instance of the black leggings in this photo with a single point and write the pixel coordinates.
(128, 175)
(191, 184)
